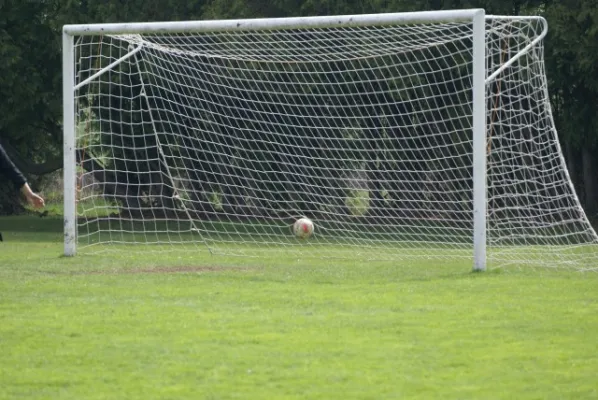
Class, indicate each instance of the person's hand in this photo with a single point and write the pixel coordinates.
(34, 199)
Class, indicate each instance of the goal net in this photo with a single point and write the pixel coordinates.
(217, 137)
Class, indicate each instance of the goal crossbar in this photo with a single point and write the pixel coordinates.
(343, 21)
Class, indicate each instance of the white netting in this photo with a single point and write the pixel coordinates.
(534, 215)
(223, 139)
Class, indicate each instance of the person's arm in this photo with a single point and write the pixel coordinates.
(12, 172)
(8, 169)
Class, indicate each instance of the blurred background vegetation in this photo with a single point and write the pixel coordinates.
(30, 69)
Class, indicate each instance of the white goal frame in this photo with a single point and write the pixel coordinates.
(479, 81)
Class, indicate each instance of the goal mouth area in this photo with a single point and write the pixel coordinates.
(408, 131)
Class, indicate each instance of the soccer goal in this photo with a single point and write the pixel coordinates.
(402, 136)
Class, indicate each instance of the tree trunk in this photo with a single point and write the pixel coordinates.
(570, 159)
(589, 180)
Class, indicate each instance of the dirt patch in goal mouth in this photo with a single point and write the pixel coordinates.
(175, 270)
(163, 270)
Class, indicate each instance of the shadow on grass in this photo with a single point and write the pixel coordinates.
(31, 224)
(31, 229)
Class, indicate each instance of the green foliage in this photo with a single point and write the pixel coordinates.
(29, 76)
(358, 202)
(572, 56)
(30, 64)
(30, 86)
(224, 9)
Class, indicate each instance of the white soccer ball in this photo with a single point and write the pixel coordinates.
(303, 228)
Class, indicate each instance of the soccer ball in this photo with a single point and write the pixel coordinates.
(303, 228)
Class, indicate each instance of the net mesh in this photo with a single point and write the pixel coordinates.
(222, 140)
(534, 215)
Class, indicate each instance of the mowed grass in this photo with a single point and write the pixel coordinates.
(188, 325)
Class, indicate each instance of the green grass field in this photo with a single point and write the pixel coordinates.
(194, 326)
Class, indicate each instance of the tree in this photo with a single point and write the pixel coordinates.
(30, 77)
(572, 64)
(30, 105)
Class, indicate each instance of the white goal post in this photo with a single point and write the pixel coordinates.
(403, 135)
